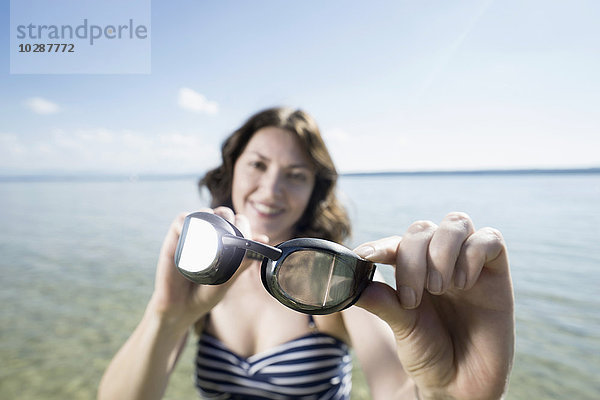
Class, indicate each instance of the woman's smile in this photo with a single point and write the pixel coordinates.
(266, 210)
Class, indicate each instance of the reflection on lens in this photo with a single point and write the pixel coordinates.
(317, 278)
(200, 246)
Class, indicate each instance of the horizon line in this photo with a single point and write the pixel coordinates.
(120, 176)
(485, 171)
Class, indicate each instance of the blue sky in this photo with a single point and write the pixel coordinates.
(394, 85)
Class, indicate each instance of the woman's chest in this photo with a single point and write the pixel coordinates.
(249, 321)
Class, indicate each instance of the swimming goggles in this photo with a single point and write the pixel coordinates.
(313, 276)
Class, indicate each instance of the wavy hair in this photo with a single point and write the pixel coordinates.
(324, 216)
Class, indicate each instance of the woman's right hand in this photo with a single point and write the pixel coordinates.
(141, 368)
(179, 299)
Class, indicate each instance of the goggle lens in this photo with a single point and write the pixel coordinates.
(200, 248)
(316, 278)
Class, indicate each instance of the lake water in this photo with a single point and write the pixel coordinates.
(78, 258)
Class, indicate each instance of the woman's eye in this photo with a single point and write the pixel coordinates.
(258, 165)
(297, 176)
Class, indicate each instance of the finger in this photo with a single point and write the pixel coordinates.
(259, 237)
(411, 263)
(379, 299)
(444, 250)
(480, 250)
(383, 301)
(177, 224)
(226, 213)
(243, 224)
(381, 251)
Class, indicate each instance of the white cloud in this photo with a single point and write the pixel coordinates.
(103, 150)
(191, 100)
(42, 106)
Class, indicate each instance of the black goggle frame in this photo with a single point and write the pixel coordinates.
(232, 247)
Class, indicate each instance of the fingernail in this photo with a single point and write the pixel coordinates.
(365, 251)
(460, 279)
(408, 297)
(434, 281)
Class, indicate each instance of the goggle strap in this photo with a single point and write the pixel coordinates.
(265, 250)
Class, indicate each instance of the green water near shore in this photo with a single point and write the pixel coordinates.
(78, 262)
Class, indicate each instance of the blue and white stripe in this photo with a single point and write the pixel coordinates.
(316, 366)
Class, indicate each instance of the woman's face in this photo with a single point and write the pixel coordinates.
(272, 183)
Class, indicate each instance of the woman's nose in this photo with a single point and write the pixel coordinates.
(272, 182)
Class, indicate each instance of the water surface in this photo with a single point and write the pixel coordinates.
(78, 261)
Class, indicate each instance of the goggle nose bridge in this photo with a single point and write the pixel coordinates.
(240, 242)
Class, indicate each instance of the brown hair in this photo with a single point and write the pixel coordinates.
(324, 216)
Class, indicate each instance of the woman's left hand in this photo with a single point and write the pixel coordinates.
(453, 311)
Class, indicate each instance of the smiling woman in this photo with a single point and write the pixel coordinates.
(282, 328)
(309, 161)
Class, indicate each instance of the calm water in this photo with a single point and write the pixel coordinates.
(77, 263)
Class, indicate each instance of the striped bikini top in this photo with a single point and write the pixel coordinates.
(314, 366)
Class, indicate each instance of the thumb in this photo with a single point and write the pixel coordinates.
(382, 300)
(379, 298)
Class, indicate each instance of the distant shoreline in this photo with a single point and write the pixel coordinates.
(99, 177)
(553, 171)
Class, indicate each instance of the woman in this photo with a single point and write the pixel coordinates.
(446, 332)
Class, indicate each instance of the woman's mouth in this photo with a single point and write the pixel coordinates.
(267, 210)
